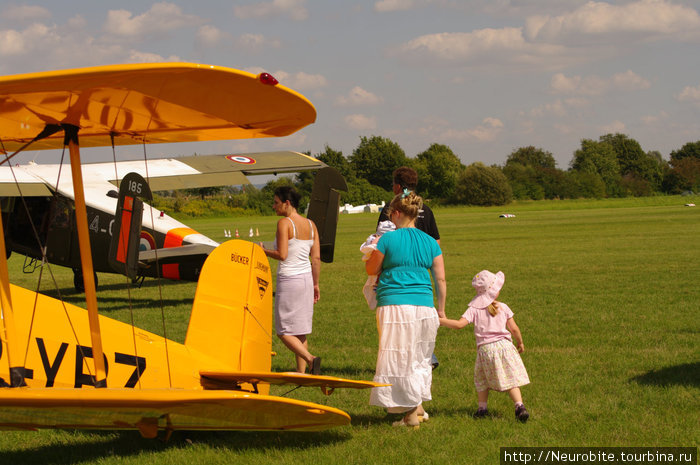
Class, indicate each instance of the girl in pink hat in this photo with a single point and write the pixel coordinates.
(498, 364)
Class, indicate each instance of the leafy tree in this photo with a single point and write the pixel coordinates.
(581, 184)
(684, 171)
(361, 192)
(599, 158)
(336, 159)
(523, 181)
(636, 166)
(482, 185)
(204, 192)
(437, 169)
(532, 173)
(376, 158)
(684, 176)
(689, 150)
(532, 156)
(554, 182)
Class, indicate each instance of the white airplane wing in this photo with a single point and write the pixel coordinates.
(161, 174)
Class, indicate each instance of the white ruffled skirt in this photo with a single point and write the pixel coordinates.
(406, 342)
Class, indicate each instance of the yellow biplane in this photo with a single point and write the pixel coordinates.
(68, 367)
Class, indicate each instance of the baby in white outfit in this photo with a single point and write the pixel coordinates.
(367, 248)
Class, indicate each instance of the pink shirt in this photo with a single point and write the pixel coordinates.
(489, 328)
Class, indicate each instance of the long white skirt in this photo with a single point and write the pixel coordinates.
(406, 342)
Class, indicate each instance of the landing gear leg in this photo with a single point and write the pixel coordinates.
(78, 280)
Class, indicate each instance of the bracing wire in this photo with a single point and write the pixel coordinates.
(44, 260)
(128, 281)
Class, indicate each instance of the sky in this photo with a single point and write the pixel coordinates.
(484, 77)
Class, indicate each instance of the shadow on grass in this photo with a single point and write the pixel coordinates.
(687, 374)
(69, 295)
(99, 445)
(129, 443)
(466, 413)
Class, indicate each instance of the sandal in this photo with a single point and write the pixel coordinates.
(402, 422)
(423, 418)
(316, 366)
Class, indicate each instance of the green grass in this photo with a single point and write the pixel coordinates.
(605, 292)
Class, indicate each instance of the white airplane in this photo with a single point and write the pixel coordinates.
(39, 209)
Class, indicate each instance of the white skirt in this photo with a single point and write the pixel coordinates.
(406, 342)
(294, 304)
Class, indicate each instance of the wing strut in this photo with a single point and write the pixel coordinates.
(8, 319)
(71, 139)
(7, 312)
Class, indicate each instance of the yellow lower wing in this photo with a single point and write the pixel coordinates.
(161, 409)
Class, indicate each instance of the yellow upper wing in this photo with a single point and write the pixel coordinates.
(148, 103)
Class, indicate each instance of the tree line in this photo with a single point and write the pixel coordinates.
(613, 166)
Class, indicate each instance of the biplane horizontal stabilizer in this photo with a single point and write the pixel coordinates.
(300, 379)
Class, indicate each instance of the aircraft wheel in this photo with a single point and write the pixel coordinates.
(78, 280)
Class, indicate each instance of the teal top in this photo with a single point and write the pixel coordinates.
(405, 277)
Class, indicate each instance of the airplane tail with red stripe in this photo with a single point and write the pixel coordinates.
(124, 247)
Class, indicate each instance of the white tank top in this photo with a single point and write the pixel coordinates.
(297, 261)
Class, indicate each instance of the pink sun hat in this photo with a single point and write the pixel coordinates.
(487, 286)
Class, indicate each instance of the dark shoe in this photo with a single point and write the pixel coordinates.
(434, 361)
(481, 413)
(521, 413)
(316, 366)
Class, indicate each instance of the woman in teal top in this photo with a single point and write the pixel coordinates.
(407, 317)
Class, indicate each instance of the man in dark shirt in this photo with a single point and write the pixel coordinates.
(407, 178)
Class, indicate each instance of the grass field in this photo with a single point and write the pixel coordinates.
(606, 294)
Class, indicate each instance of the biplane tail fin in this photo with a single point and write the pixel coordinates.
(231, 320)
(323, 208)
(124, 247)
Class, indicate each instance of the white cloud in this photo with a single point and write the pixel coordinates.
(689, 94)
(651, 120)
(556, 41)
(384, 6)
(614, 127)
(357, 97)
(34, 37)
(629, 81)
(556, 108)
(294, 9)
(361, 122)
(136, 56)
(488, 130)
(595, 85)
(256, 42)
(305, 81)
(296, 81)
(210, 36)
(600, 21)
(506, 45)
(161, 18)
(26, 13)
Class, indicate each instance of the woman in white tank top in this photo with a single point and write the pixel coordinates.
(299, 253)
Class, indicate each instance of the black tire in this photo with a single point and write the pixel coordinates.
(78, 280)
